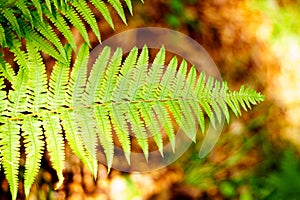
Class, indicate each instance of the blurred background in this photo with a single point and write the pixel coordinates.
(253, 42)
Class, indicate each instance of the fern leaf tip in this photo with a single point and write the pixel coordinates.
(108, 170)
(60, 182)
(146, 154)
(161, 151)
(127, 156)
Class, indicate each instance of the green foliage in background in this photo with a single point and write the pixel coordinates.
(282, 18)
(179, 15)
(120, 96)
(275, 177)
(280, 180)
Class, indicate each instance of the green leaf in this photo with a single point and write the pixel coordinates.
(118, 7)
(2, 36)
(61, 25)
(129, 5)
(154, 74)
(25, 10)
(41, 42)
(104, 130)
(101, 6)
(34, 146)
(133, 100)
(2, 96)
(55, 144)
(167, 83)
(73, 17)
(10, 16)
(75, 141)
(87, 14)
(137, 127)
(58, 84)
(121, 128)
(47, 31)
(7, 71)
(37, 83)
(18, 95)
(152, 125)
(111, 75)
(96, 77)
(130, 60)
(10, 151)
(78, 77)
(165, 122)
(38, 7)
(48, 4)
(87, 130)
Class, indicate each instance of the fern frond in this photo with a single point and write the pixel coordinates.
(104, 130)
(106, 95)
(7, 71)
(48, 5)
(202, 93)
(161, 113)
(211, 86)
(87, 14)
(153, 126)
(2, 95)
(111, 75)
(58, 83)
(46, 30)
(2, 36)
(160, 57)
(73, 17)
(116, 4)
(34, 146)
(74, 139)
(129, 5)
(139, 76)
(133, 99)
(130, 60)
(78, 77)
(122, 131)
(11, 18)
(20, 56)
(87, 129)
(55, 143)
(127, 70)
(166, 86)
(61, 24)
(168, 93)
(96, 77)
(18, 96)
(154, 74)
(101, 6)
(219, 93)
(38, 7)
(10, 151)
(137, 128)
(242, 98)
(25, 10)
(76, 87)
(37, 83)
(41, 42)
